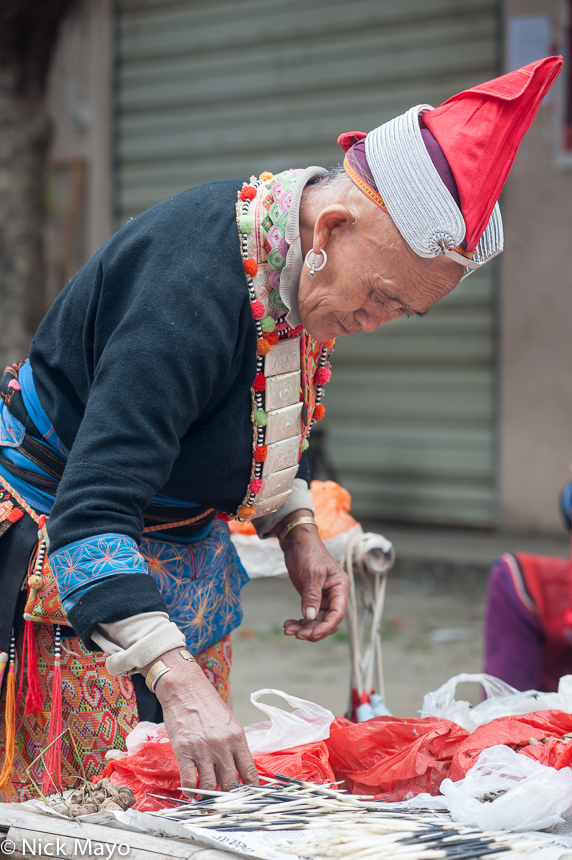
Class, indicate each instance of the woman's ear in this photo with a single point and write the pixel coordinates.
(330, 220)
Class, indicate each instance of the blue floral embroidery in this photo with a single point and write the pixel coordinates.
(87, 562)
(201, 584)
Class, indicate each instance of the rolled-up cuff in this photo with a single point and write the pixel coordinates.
(300, 499)
(136, 641)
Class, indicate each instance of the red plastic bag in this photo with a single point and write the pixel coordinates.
(386, 757)
(516, 732)
(153, 769)
(308, 762)
(389, 757)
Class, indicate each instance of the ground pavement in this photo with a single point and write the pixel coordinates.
(432, 626)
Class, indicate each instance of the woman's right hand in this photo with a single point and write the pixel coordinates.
(204, 733)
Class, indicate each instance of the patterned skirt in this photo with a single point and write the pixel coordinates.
(98, 710)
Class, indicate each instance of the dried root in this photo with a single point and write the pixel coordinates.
(91, 798)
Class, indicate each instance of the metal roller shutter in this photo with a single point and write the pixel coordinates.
(207, 90)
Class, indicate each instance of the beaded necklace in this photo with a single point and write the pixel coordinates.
(260, 222)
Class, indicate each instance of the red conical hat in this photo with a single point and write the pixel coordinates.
(480, 130)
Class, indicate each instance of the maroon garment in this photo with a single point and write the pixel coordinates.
(527, 642)
(513, 636)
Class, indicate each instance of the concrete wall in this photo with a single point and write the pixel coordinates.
(536, 322)
(79, 98)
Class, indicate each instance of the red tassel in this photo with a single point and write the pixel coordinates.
(53, 759)
(34, 696)
(22, 667)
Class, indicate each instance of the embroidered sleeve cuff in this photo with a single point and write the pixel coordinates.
(85, 563)
(136, 641)
(299, 499)
(113, 600)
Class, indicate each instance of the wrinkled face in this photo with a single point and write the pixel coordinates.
(371, 277)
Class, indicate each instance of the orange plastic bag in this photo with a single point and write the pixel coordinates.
(389, 757)
(332, 504)
(516, 732)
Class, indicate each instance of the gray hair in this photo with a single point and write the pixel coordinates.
(333, 174)
(330, 185)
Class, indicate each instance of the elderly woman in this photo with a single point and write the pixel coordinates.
(172, 386)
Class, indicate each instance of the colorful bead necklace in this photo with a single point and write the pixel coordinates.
(269, 331)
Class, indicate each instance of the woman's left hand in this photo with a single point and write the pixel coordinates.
(323, 584)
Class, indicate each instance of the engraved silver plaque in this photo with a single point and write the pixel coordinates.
(278, 482)
(284, 423)
(268, 506)
(282, 455)
(282, 390)
(284, 357)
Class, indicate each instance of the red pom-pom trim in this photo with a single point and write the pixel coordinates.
(251, 268)
(248, 192)
(222, 517)
(262, 346)
(256, 485)
(272, 337)
(319, 412)
(260, 453)
(259, 383)
(258, 310)
(322, 376)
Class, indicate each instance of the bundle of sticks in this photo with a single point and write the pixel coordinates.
(359, 828)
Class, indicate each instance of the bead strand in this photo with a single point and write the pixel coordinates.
(57, 645)
(269, 331)
(258, 396)
(12, 652)
(320, 388)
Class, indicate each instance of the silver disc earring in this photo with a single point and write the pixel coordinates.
(313, 263)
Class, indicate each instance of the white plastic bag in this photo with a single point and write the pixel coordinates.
(537, 797)
(502, 701)
(307, 724)
(143, 734)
